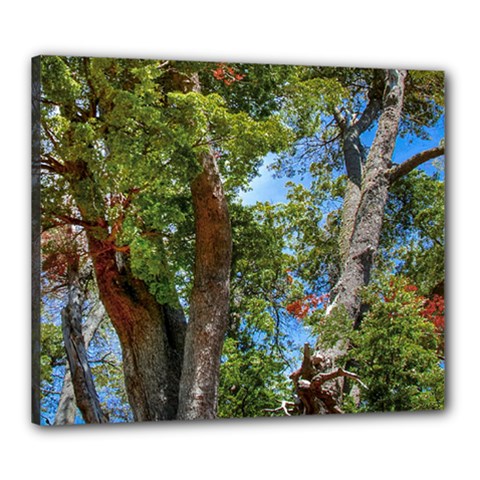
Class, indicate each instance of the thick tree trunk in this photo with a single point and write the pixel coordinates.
(374, 193)
(81, 376)
(360, 245)
(354, 157)
(209, 301)
(210, 295)
(151, 336)
(67, 406)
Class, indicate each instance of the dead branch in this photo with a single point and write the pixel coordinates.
(283, 407)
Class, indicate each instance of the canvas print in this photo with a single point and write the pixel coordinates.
(231, 240)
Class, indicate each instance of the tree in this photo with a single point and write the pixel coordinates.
(395, 102)
(147, 157)
(72, 317)
(125, 142)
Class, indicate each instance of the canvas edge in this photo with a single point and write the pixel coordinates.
(35, 234)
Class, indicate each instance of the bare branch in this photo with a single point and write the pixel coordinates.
(321, 378)
(407, 166)
(49, 134)
(368, 116)
(284, 406)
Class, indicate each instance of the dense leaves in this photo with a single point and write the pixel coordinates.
(395, 350)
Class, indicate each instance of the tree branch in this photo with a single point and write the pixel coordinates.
(321, 378)
(369, 114)
(407, 166)
(283, 407)
(53, 165)
(77, 221)
(340, 119)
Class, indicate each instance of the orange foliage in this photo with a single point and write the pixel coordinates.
(226, 74)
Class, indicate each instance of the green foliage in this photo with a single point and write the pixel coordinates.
(52, 351)
(424, 102)
(311, 220)
(310, 101)
(332, 330)
(251, 378)
(395, 351)
(150, 264)
(414, 230)
(131, 141)
(257, 351)
(261, 91)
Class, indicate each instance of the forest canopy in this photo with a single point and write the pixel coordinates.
(164, 294)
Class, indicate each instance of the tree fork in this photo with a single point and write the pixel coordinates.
(150, 334)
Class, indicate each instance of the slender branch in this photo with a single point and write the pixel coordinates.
(49, 134)
(164, 64)
(321, 378)
(47, 391)
(77, 221)
(52, 164)
(284, 406)
(49, 102)
(407, 166)
(369, 114)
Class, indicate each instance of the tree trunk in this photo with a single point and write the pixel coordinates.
(151, 335)
(67, 406)
(369, 216)
(210, 297)
(354, 155)
(209, 305)
(365, 212)
(81, 376)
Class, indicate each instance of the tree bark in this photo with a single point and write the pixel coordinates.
(67, 406)
(209, 305)
(151, 335)
(81, 376)
(374, 193)
(354, 155)
(210, 297)
(364, 230)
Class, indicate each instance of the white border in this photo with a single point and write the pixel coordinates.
(436, 35)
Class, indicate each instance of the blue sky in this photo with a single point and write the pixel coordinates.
(266, 188)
